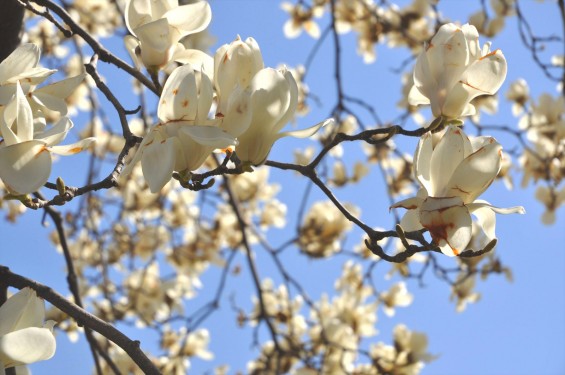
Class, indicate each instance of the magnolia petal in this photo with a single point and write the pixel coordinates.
(445, 159)
(74, 148)
(455, 57)
(179, 100)
(475, 174)
(19, 112)
(472, 37)
(486, 221)
(32, 76)
(57, 133)
(308, 132)
(235, 64)
(63, 89)
(425, 83)
(504, 211)
(190, 18)
(293, 102)
(415, 97)
(132, 44)
(486, 75)
(23, 309)
(209, 136)
(411, 221)
(137, 13)
(155, 35)
(52, 96)
(422, 158)
(205, 96)
(270, 99)
(194, 154)
(148, 139)
(198, 59)
(23, 58)
(51, 102)
(26, 346)
(409, 203)
(238, 116)
(25, 167)
(448, 221)
(435, 50)
(157, 163)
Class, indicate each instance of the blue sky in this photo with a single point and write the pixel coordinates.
(517, 328)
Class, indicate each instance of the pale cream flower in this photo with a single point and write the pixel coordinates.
(25, 155)
(453, 173)
(454, 69)
(158, 25)
(24, 336)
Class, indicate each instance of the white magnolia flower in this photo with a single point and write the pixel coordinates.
(454, 69)
(158, 25)
(274, 97)
(24, 337)
(452, 174)
(235, 65)
(25, 155)
(21, 67)
(185, 136)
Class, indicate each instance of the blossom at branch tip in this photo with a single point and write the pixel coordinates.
(24, 336)
(185, 136)
(453, 70)
(452, 174)
(21, 67)
(158, 25)
(274, 98)
(25, 154)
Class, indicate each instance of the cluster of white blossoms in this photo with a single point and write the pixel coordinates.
(374, 22)
(230, 101)
(452, 169)
(25, 337)
(27, 142)
(543, 121)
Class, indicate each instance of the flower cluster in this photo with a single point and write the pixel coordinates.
(372, 21)
(452, 169)
(238, 103)
(27, 142)
(543, 121)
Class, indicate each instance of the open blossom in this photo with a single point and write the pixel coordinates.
(25, 155)
(453, 173)
(185, 136)
(274, 98)
(454, 69)
(24, 336)
(158, 25)
(21, 67)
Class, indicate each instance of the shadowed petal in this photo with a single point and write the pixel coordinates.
(25, 167)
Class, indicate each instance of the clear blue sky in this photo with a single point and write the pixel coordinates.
(517, 328)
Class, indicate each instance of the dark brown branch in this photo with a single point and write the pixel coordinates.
(83, 318)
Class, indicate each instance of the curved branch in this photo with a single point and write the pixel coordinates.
(131, 347)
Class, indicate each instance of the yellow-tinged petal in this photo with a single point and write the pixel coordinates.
(73, 148)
